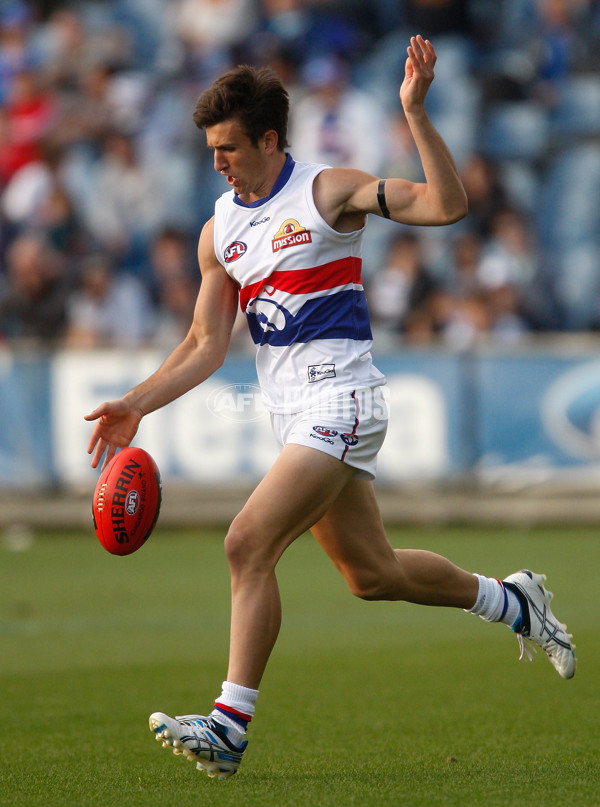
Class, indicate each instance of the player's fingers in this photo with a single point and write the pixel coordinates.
(429, 52)
(110, 453)
(422, 52)
(415, 50)
(98, 412)
(94, 437)
(100, 446)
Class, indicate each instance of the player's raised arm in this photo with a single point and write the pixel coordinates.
(201, 353)
(443, 197)
(346, 195)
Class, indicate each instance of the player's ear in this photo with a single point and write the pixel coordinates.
(269, 141)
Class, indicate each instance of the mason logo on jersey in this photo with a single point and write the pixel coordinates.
(290, 234)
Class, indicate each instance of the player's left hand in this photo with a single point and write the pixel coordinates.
(418, 73)
(116, 425)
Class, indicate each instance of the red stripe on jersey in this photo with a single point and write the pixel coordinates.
(304, 281)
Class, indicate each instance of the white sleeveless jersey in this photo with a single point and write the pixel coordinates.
(301, 290)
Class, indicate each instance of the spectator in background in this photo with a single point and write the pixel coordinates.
(556, 43)
(86, 116)
(485, 290)
(73, 73)
(171, 255)
(287, 68)
(174, 311)
(211, 30)
(460, 309)
(507, 272)
(509, 255)
(8, 159)
(15, 47)
(507, 321)
(461, 322)
(28, 117)
(400, 294)
(33, 297)
(462, 279)
(484, 190)
(59, 220)
(66, 49)
(29, 187)
(107, 309)
(70, 45)
(335, 123)
(126, 205)
(38, 198)
(307, 31)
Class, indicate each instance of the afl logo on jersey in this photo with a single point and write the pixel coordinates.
(290, 234)
(234, 251)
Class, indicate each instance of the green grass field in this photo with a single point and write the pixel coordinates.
(362, 704)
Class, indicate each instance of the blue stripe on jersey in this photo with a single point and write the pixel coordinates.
(343, 315)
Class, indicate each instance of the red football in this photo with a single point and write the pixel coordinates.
(127, 501)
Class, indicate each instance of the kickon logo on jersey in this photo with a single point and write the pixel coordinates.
(317, 372)
(290, 234)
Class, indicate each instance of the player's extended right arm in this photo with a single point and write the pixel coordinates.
(201, 353)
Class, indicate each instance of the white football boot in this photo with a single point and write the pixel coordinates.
(537, 624)
(201, 740)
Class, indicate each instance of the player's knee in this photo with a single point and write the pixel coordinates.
(236, 546)
(242, 549)
(369, 585)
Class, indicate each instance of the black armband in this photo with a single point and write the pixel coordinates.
(381, 199)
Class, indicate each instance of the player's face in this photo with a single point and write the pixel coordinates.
(238, 160)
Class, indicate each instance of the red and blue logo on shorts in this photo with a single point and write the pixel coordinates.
(324, 431)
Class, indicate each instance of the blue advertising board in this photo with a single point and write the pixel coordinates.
(494, 413)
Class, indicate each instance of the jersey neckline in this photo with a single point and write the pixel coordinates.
(281, 180)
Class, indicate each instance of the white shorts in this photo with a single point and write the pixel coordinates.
(350, 427)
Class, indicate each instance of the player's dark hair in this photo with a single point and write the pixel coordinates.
(254, 97)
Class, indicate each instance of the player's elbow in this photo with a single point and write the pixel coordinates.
(454, 210)
(447, 207)
(213, 360)
(461, 211)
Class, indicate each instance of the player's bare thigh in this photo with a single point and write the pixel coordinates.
(297, 491)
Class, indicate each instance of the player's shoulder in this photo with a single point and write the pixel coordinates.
(344, 177)
(334, 188)
(206, 244)
(208, 227)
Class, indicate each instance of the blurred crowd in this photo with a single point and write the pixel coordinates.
(105, 182)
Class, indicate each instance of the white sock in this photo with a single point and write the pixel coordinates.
(234, 708)
(495, 603)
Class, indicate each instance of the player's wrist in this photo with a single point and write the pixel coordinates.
(415, 112)
(134, 404)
